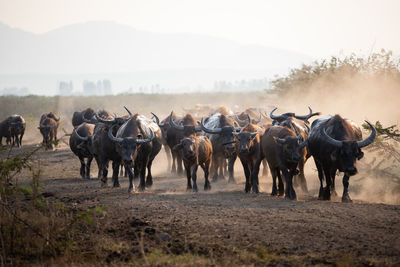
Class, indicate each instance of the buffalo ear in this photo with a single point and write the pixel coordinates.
(360, 155)
(279, 141)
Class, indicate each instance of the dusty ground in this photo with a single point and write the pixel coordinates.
(224, 226)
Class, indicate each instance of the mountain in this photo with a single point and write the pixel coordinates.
(107, 47)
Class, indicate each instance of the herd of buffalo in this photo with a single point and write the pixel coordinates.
(281, 142)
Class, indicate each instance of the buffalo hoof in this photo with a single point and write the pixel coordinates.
(149, 183)
(103, 184)
(346, 199)
(290, 197)
(189, 187)
(207, 187)
(116, 185)
(333, 193)
(326, 194)
(281, 193)
(141, 188)
(255, 190)
(195, 189)
(131, 190)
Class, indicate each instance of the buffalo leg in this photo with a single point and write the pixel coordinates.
(83, 166)
(289, 192)
(194, 178)
(173, 167)
(115, 166)
(121, 172)
(321, 179)
(149, 179)
(265, 168)
(206, 167)
(214, 168)
(274, 176)
(327, 189)
(88, 163)
(231, 163)
(168, 154)
(346, 196)
(333, 189)
(254, 175)
(179, 164)
(301, 179)
(247, 174)
(221, 168)
(281, 186)
(188, 176)
(20, 138)
(131, 185)
(136, 169)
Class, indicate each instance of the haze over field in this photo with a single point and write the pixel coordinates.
(180, 46)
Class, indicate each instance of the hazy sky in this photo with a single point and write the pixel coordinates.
(317, 28)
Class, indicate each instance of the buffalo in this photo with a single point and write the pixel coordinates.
(80, 117)
(138, 140)
(219, 129)
(283, 151)
(196, 151)
(300, 125)
(80, 143)
(13, 129)
(48, 126)
(248, 148)
(335, 143)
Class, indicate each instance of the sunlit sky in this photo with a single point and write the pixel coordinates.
(317, 28)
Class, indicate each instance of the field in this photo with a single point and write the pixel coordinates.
(166, 225)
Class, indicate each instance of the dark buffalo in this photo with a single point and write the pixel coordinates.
(248, 148)
(104, 149)
(219, 129)
(48, 128)
(16, 129)
(80, 143)
(79, 116)
(300, 125)
(335, 143)
(283, 151)
(178, 129)
(138, 140)
(196, 150)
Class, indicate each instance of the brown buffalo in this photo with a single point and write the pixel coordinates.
(283, 151)
(196, 151)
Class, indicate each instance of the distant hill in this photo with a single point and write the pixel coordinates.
(107, 47)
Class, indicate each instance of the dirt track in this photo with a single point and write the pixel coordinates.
(225, 223)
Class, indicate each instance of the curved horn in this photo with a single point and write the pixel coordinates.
(141, 141)
(239, 120)
(370, 138)
(278, 118)
(173, 124)
(80, 137)
(306, 117)
(57, 119)
(330, 140)
(99, 118)
(130, 113)
(156, 117)
(258, 120)
(210, 131)
(112, 137)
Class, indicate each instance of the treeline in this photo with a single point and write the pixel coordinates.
(382, 64)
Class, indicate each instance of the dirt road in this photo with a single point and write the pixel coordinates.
(225, 226)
